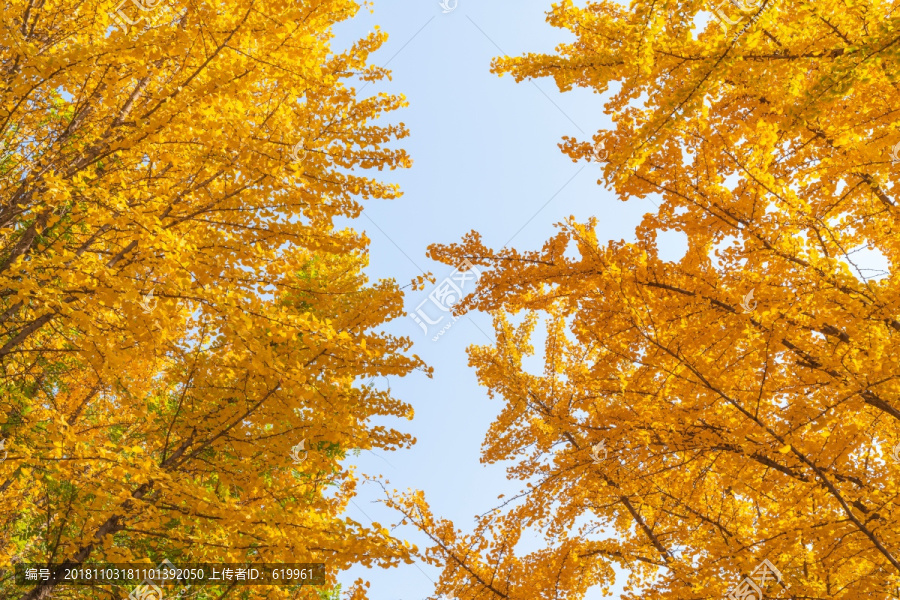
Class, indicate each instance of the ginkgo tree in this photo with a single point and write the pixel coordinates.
(187, 338)
(697, 417)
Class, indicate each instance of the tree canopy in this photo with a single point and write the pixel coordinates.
(696, 417)
(187, 337)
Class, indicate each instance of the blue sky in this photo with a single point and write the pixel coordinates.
(485, 157)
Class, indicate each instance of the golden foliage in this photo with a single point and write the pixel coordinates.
(178, 309)
(747, 394)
